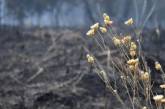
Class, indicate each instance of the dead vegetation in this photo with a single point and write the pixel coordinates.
(46, 69)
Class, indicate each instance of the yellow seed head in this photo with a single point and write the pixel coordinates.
(106, 17)
(158, 98)
(145, 76)
(162, 86)
(133, 61)
(103, 29)
(133, 46)
(116, 41)
(129, 22)
(90, 59)
(95, 26)
(158, 66)
(108, 22)
(126, 40)
(132, 67)
(91, 32)
(132, 53)
(133, 64)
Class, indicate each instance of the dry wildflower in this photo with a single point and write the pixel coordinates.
(132, 67)
(103, 29)
(162, 86)
(133, 64)
(132, 61)
(108, 22)
(95, 26)
(126, 40)
(91, 32)
(106, 17)
(116, 41)
(144, 76)
(133, 46)
(132, 53)
(158, 66)
(158, 98)
(129, 22)
(90, 59)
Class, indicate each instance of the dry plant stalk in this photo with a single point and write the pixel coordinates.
(131, 69)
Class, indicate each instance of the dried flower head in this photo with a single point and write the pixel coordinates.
(145, 76)
(108, 22)
(133, 46)
(126, 39)
(95, 26)
(132, 53)
(129, 22)
(162, 86)
(132, 61)
(91, 32)
(133, 64)
(103, 29)
(106, 17)
(90, 59)
(132, 67)
(116, 41)
(158, 98)
(158, 66)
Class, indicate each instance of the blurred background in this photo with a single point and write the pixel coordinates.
(43, 50)
(78, 13)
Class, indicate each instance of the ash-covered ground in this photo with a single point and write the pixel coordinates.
(47, 69)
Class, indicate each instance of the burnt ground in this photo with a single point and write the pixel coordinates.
(46, 69)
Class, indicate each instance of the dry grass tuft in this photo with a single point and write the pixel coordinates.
(131, 68)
